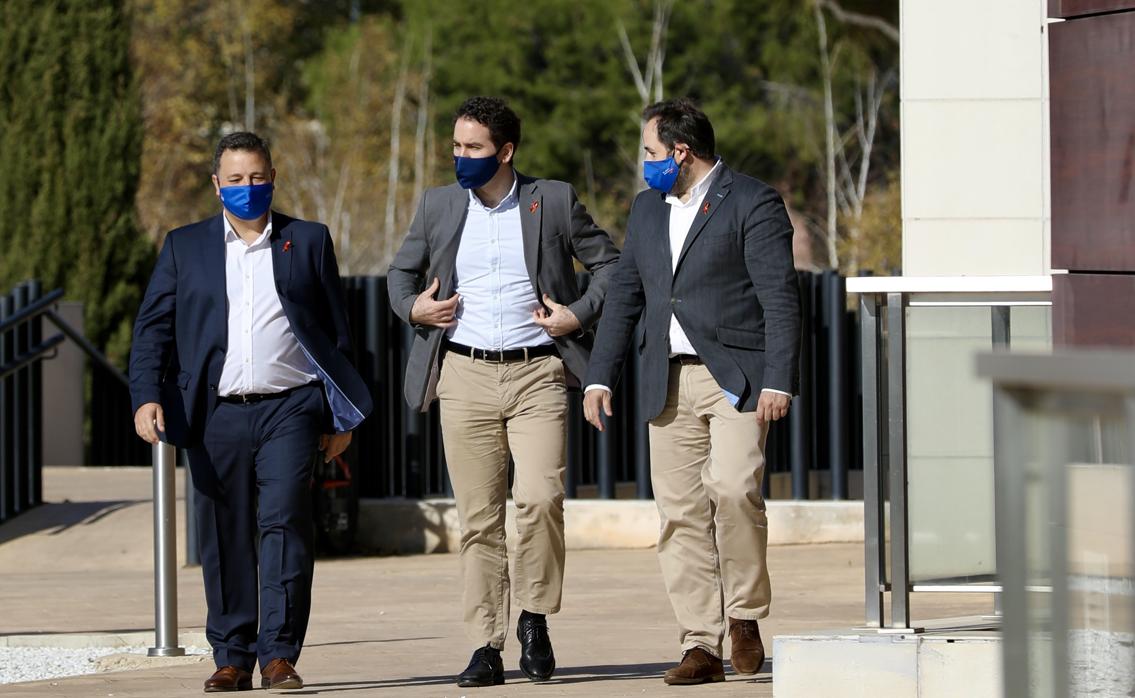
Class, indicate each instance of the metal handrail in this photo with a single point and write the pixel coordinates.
(886, 299)
(38, 307)
(31, 356)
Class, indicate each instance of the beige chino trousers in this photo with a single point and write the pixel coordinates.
(707, 461)
(489, 411)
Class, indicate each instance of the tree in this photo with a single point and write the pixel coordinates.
(70, 141)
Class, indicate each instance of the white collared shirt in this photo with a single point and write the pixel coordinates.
(263, 353)
(682, 216)
(497, 297)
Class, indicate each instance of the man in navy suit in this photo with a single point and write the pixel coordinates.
(240, 356)
(706, 294)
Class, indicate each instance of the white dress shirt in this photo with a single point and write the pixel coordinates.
(263, 354)
(497, 298)
(682, 215)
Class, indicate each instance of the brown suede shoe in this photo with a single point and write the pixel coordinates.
(747, 652)
(280, 675)
(229, 678)
(698, 666)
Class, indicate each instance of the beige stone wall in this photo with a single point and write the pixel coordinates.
(974, 137)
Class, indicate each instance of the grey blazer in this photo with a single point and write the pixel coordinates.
(556, 228)
(735, 292)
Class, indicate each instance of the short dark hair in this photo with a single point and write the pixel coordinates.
(680, 121)
(494, 114)
(241, 140)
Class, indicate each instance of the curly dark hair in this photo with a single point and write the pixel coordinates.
(680, 121)
(241, 140)
(494, 114)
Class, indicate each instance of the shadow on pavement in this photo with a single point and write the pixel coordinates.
(58, 517)
(564, 675)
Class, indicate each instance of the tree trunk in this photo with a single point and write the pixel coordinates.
(832, 232)
(395, 152)
(420, 170)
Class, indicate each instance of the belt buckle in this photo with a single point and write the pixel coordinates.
(486, 353)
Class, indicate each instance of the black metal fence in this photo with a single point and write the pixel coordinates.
(21, 418)
(398, 452)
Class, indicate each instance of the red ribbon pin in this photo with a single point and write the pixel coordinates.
(287, 245)
(535, 205)
(705, 209)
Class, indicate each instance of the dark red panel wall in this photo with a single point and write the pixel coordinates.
(1092, 88)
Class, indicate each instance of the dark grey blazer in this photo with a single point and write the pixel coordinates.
(556, 228)
(735, 293)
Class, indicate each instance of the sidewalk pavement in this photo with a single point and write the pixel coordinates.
(390, 626)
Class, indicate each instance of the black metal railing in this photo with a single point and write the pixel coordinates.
(398, 452)
(23, 348)
(21, 416)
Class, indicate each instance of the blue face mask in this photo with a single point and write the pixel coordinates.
(249, 201)
(661, 174)
(474, 173)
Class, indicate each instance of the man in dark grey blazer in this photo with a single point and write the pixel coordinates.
(486, 277)
(708, 268)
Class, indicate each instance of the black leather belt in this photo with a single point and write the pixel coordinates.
(500, 357)
(249, 398)
(686, 359)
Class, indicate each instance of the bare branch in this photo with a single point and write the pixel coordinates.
(859, 19)
(632, 62)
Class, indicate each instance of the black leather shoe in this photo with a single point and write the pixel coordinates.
(485, 669)
(537, 660)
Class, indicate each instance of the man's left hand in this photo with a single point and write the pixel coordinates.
(772, 406)
(334, 444)
(560, 322)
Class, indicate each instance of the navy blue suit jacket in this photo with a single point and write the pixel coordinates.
(734, 292)
(181, 333)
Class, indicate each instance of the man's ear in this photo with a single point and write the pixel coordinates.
(216, 185)
(683, 150)
(507, 151)
(272, 175)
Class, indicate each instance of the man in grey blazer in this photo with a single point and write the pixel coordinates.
(486, 278)
(707, 274)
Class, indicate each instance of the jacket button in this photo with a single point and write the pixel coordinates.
(212, 387)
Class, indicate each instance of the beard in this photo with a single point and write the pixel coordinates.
(684, 181)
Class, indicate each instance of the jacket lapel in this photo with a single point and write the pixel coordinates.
(531, 205)
(450, 223)
(708, 207)
(213, 274)
(281, 241)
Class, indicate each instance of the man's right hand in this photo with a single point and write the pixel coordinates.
(427, 311)
(594, 400)
(148, 421)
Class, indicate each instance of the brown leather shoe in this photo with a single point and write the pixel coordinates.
(747, 652)
(229, 678)
(698, 666)
(280, 675)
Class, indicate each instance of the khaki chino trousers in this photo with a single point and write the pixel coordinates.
(707, 461)
(489, 411)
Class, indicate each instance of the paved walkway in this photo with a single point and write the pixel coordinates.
(390, 626)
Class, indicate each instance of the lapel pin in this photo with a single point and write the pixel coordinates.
(287, 245)
(705, 209)
(535, 205)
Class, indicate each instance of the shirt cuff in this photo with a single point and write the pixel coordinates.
(595, 386)
(774, 390)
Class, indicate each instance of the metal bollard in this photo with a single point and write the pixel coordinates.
(165, 555)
